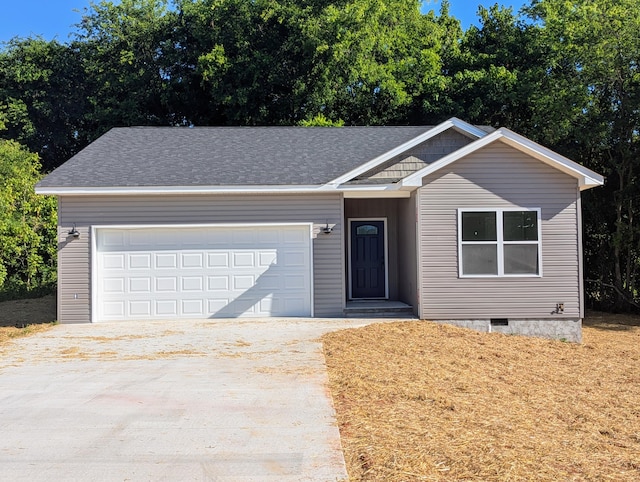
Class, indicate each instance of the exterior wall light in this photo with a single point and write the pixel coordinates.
(74, 232)
(327, 229)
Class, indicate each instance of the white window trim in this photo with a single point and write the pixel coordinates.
(500, 243)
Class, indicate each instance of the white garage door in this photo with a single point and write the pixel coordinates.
(202, 272)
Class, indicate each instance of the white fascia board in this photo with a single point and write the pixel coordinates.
(371, 191)
(145, 190)
(415, 179)
(389, 193)
(586, 177)
(465, 127)
(454, 122)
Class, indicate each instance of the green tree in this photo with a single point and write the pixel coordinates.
(498, 70)
(373, 60)
(122, 46)
(28, 224)
(250, 58)
(592, 112)
(43, 98)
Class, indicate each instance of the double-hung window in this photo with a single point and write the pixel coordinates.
(499, 242)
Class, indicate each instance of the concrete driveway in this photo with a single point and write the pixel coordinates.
(191, 400)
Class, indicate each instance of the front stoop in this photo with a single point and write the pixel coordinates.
(378, 309)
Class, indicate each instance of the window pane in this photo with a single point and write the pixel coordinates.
(479, 226)
(520, 259)
(520, 225)
(366, 229)
(479, 259)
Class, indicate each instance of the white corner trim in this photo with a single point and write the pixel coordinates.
(586, 177)
(446, 125)
(93, 267)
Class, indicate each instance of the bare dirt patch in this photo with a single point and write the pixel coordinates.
(422, 401)
(25, 317)
(28, 311)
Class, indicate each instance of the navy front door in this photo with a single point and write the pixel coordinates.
(367, 259)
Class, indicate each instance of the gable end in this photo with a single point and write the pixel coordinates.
(414, 159)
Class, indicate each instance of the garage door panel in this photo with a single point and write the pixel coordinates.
(267, 258)
(166, 307)
(193, 308)
(141, 239)
(140, 285)
(294, 237)
(267, 304)
(113, 240)
(218, 260)
(243, 282)
(293, 283)
(218, 238)
(113, 309)
(217, 283)
(270, 237)
(293, 258)
(216, 304)
(162, 274)
(243, 237)
(243, 259)
(192, 283)
(191, 260)
(113, 285)
(270, 282)
(139, 261)
(292, 304)
(113, 261)
(166, 284)
(166, 260)
(140, 308)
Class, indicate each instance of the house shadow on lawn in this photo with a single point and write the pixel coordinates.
(611, 321)
(32, 311)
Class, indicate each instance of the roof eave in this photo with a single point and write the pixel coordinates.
(453, 123)
(146, 190)
(586, 177)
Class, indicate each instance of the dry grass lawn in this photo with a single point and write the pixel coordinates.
(421, 401)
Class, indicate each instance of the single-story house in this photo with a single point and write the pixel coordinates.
(457, 223)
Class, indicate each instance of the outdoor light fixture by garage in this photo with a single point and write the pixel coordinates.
(327, 229)
(74, 232)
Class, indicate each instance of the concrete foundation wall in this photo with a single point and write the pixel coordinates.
(558, 329)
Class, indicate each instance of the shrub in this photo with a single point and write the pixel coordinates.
(28, 224)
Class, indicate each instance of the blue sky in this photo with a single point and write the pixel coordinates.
(55, 18)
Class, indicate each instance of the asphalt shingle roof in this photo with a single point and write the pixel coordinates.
(225, 156)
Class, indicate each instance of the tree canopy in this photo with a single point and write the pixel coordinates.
(27, 223)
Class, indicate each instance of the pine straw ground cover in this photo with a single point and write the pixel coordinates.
(422, 401)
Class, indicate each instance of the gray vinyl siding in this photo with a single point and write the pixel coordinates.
(74, 277)
(493, 177)
(407, 253)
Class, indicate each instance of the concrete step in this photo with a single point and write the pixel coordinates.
(378, 309)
